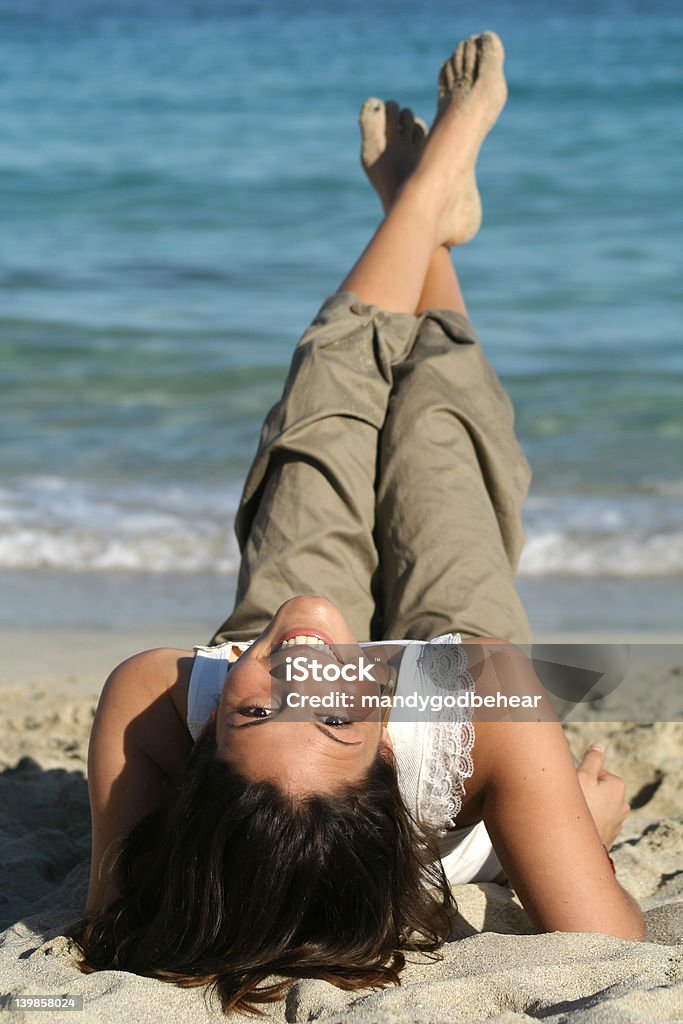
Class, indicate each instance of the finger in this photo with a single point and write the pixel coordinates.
(615, 781)
(593, 760)
(613, 785)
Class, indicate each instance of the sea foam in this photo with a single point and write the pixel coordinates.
(57, 523)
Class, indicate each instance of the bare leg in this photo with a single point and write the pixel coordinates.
(392, 270)
(305, 523)
(441, 288)
(452, 478)
(392, 144)
(439, 202)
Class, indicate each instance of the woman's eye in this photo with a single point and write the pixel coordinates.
(335, 721)
(255, 711)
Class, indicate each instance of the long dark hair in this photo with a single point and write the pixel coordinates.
(233, 881)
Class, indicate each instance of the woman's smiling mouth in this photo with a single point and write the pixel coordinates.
(304, 638)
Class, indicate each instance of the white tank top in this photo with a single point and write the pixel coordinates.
(433, 757)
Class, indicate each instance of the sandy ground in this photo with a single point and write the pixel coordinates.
(496, 969)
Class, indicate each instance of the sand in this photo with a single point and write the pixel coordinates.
(495, 969)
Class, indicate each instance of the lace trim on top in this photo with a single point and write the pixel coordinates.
(449, 735)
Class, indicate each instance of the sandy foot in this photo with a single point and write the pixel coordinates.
(392, 141)
(472, 93)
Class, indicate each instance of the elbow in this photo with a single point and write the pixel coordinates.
(631, 933)
(624, 923)
(634, 925)
(630, 927)
(626, 919)
(637, 929)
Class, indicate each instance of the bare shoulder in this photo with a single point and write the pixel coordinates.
(498, 667)
(138, 743)
(151, 675)
(143, 706)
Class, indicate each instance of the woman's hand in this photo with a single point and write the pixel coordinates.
(604, 793)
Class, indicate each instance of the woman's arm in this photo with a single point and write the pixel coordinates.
(538, 819)
(139, 743)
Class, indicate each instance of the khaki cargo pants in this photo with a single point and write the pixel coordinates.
(388, 479)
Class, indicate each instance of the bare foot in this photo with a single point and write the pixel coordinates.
(472, 93)
(392, 141)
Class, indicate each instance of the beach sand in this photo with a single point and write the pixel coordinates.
(495, 969)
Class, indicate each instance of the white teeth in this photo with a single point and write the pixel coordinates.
(310, 641)
(301, 639)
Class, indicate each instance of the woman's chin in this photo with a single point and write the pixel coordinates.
(313, 616)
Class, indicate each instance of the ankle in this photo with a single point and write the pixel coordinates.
(421, 195)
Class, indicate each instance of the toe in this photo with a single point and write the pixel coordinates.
(491, 47)
(392, 116)
(371, 111)
(419, 131)
(406, 122)
(459, 59)
(470, 57)
(373, 131)
(448, 75)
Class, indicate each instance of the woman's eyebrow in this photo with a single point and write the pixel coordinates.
(321, 728)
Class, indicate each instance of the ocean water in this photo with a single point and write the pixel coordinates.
(180, 189)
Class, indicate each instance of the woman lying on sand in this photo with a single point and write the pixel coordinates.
(261, 841)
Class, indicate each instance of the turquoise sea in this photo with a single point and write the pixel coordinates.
(179, 190)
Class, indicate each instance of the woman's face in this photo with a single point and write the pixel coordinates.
(268, 727)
